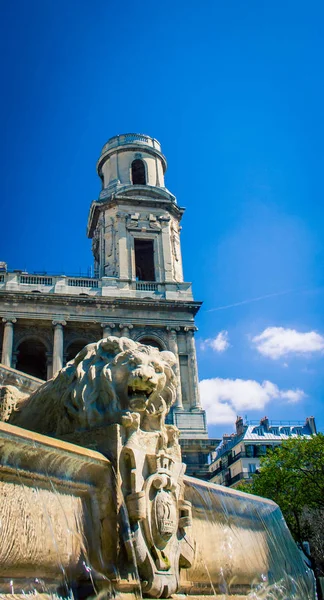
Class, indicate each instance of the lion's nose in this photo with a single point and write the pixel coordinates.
(143, 375)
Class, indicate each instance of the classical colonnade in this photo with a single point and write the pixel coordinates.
(121, 330)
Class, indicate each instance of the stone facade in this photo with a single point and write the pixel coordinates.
(138, 290)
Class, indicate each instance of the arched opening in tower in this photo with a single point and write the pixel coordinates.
(138, 172)
(31, 358)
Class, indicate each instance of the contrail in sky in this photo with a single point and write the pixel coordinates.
(253, 300)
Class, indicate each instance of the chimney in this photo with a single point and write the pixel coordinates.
(310, 422)
(239, 425)
(265, 423)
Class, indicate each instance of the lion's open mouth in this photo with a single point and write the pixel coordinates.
(138, 397)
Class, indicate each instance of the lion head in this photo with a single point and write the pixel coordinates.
(105, 381)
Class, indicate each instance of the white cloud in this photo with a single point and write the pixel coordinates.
(293, 396)
(220, 343)
(276, 342)
(223, 399)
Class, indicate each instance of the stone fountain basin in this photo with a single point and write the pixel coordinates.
(62, 524)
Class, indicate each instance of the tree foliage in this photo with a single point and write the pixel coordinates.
(293, 476)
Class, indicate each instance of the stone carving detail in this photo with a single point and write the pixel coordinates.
(106, 380)
(175, 241)
(160, 519)
(98, 244)
(95, 245)
(119, 381)
(143, 221)
(110, 249)
(9, 398)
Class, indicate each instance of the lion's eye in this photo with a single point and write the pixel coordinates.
(158, 369)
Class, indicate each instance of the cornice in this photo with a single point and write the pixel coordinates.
(120, 199)
(100, 301)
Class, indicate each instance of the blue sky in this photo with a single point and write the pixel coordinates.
(234, 92)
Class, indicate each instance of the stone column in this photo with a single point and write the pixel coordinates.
(58, 346)
(173, 347)
(107, 329)
(49, 365)
(192, 364)
(125, 330)
(7, 342)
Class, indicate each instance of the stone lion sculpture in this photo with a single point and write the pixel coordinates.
(108, 382)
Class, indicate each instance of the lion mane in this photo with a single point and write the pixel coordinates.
(106, 380)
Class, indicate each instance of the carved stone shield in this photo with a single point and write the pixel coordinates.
(165, 522)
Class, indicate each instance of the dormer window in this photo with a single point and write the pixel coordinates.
(138, 172)
(274, 430)
(297, 430)
(285, 430)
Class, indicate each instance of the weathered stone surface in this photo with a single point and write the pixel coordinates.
(125, 517)
(104, 384)
(55, 499)
(25, 383)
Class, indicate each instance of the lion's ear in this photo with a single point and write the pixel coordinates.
(168, 357)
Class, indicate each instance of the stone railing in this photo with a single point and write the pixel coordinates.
(24, 382)
(44, 283)
(129, 138)
(35, 280)
(78, 282)
(147, 286)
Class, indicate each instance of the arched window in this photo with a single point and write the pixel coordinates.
(31, 358)
(151, 342)
(138, 172)
(74, 349)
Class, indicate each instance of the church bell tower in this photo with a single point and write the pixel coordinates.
(135, 231)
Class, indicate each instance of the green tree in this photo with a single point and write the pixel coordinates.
(293, 476)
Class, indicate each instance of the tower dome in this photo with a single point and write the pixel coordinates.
(131, 160)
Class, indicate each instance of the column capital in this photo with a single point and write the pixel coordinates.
(59, 322)
(190, 329)
(174, 329)
(11, 320)
(111, 325)
(128, 325)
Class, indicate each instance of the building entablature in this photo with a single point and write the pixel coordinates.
(145, 193)
(155, 202)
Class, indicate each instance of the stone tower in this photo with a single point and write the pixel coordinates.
(135, 231)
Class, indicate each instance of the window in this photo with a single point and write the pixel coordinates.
(252, 468)
(144, 260)
(274, 430)
(249, 450)
(138, 172)
(285, 430)
(150, 342)
(298, 430)
(261, 450)
(258, 430)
